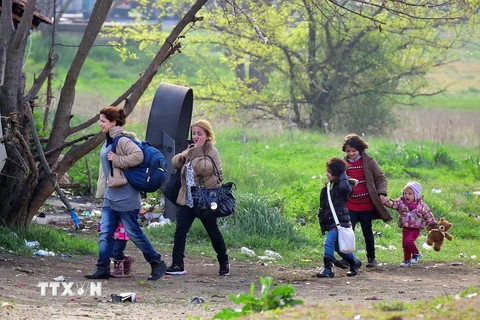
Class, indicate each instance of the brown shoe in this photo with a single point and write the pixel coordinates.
(118, 267)
(127, 264)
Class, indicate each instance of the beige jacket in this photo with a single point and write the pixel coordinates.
(202, 166)
(127, 154)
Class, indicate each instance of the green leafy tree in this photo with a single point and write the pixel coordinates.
(346, 66)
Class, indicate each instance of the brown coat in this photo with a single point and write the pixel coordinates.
(377, 185)
(202, 166)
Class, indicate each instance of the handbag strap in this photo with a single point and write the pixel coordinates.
(215, 172)
(332, 208)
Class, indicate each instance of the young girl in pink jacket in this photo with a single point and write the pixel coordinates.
(413, 216)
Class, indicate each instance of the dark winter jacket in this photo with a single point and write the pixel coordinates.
(341, 190)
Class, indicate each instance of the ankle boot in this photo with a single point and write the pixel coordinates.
(158, 269)
(102, 272)
(355, 264)
(127, 265)
(327, 269)
(118, 267)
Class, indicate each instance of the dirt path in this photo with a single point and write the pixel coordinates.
(170, 297)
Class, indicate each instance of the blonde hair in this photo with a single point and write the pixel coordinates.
(207, 127)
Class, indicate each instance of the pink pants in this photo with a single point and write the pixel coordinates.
(409, 235)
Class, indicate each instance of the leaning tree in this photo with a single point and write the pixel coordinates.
(24, 182)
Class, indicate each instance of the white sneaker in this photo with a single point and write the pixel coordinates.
(407, 263)
(416, 258)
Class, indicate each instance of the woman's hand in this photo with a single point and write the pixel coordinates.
(110, 156)
(201, 141)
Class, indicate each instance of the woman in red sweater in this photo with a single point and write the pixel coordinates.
(364, 204)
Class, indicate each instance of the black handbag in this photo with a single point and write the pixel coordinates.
(214, 203)
(172, 187)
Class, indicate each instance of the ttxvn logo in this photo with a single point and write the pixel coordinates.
(69, 289)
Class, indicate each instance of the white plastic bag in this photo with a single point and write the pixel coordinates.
(346, 239)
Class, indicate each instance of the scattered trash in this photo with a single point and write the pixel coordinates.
(96, 213)
(473, 215)
(44, 253)
(72, 299)
(392, 247)
(476, 193)
(473, 257)
(373, 298)
(23, 270)
(301, 221)
(471, 295)
(266, 258)
(32, 244)
(7, 305)
(124, 297)
(248, 252)
(86, 214)
(467, 194)
(436, 190)
(377, 234)
(457, 264)
(273, 254)
(426, 246)
(462, 255)
(197, 300)
(158, 224)
(59, 279)
(357, 317)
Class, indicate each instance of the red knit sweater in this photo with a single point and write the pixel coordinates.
(360, 198)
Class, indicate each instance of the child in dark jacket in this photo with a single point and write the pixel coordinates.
(340, 188)
(413, 216)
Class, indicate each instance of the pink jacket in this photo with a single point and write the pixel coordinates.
(418, 218)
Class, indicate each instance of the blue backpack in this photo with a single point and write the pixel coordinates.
(148, 176)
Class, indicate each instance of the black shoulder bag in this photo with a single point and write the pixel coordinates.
(214, 203)
(172, 187)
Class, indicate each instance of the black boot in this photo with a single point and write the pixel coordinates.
(102, 272)
(327, 269)
(355, 264)
(158, 269)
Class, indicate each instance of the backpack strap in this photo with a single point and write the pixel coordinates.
(114, 148)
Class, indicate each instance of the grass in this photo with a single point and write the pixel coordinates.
(459, 306)
(50, 239)
(279, 177)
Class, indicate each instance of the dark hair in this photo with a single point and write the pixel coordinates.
(353, 140)
(114, 114)
(336, 166)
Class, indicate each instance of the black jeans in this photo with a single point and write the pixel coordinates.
(185, 218)
(365, 218)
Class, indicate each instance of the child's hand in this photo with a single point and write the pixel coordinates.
(383, 200)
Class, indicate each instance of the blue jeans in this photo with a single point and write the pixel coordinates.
(110, 221)
(331, 246)
(119, 249)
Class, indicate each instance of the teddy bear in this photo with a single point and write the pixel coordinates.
(437, 233)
